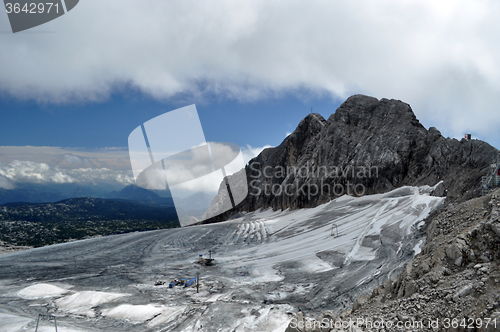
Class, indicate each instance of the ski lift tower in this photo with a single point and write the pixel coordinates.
(46, 317)
(492, 180)
(335, 230)
(484, 185)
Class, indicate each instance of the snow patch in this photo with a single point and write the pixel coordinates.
(215, 297)
(40, 291)
(135, 313)
(81, 303)
(50, 328)
(418, 247)
(315, 265)
(11, 323)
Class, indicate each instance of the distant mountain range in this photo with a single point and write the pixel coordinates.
(43, 193)
(50, 193)
(141, 195)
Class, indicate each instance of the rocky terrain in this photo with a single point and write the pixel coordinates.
(452, 285)
(367, 146)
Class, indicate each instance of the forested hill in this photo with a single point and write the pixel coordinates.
(78, 218)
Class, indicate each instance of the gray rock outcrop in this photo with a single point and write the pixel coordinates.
(452, 285)
(367, 146)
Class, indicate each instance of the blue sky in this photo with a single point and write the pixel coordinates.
(73, 89)
(108, 123)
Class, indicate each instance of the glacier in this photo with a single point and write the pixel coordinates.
(269, 265)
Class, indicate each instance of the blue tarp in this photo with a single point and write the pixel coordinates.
(190, 282)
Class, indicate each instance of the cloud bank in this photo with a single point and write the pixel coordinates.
(249, 152)
(31, 164)
(6, 183)
(439, 56)
(35, 172)
(111, 158)
(57, 165)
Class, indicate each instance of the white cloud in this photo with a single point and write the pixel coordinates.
(250, 152)
(193, 172)
(6, 183)
(36, 172)
(60, 177)
(112, 158)
(73, 160)
(439, 56)
(63, 165)
(84, 166)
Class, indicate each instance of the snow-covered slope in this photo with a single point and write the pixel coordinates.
(269, 264)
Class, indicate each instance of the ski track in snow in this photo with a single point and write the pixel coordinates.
(268, 264)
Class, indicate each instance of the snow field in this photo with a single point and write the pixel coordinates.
(295, 239)
(263, 260)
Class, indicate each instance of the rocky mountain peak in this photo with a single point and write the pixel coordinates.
(367, 146)
(307, 129)
(368, 112)
(290, 149)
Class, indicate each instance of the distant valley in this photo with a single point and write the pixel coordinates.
(37, 215)
(40, 224)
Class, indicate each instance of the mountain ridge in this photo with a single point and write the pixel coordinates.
(364, 132)
(51, 193)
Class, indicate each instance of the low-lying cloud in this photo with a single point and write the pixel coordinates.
(6, 183)
(46, 164)
(83, 166)
(36, 172)
(250, 152)
(110, 158)
(194, 170)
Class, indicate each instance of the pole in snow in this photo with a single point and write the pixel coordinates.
(198, 282)
(336, 232)
(48, 317)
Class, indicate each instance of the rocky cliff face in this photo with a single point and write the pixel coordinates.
(367, 146)
(452, 285)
